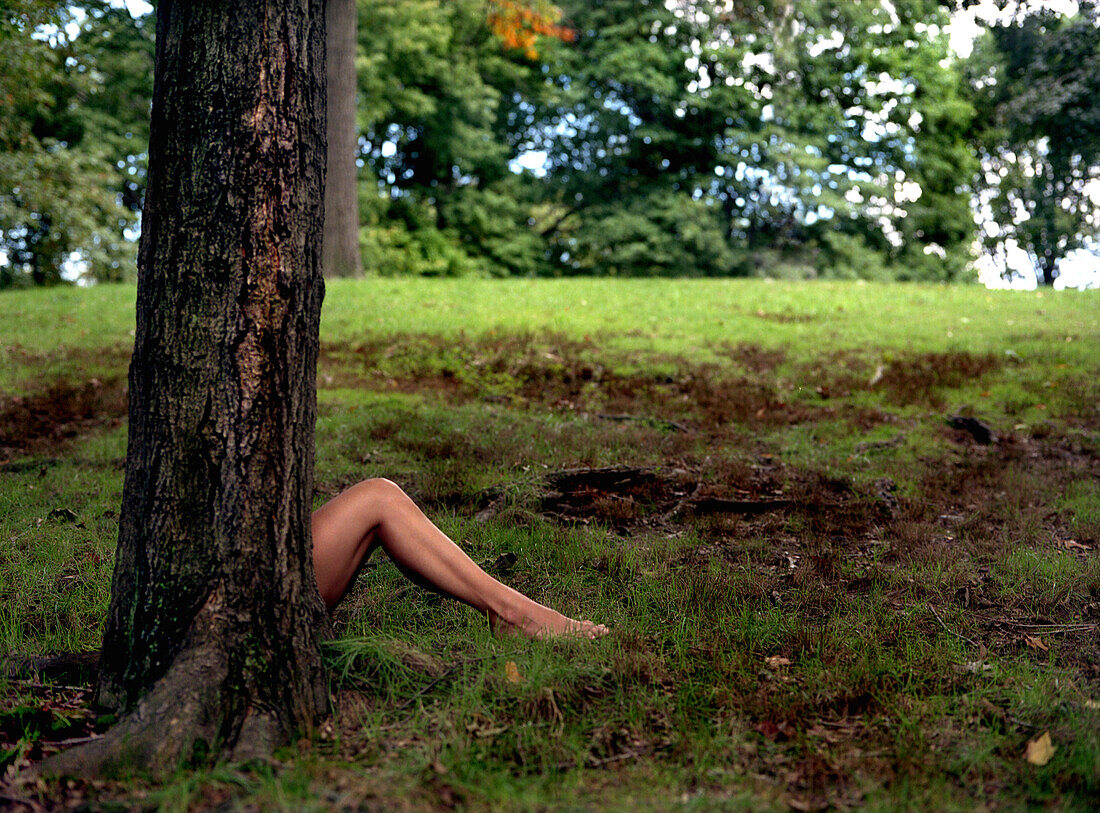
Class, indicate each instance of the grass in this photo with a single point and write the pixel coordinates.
(821, 595)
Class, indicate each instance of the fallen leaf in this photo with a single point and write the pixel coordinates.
(1039, 750)
(1073, 544)
(1035, 642)
(511, 672)
(775, 661)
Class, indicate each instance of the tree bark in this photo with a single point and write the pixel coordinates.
(212, 640)
(341, 241)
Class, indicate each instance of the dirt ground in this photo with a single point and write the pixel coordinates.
(979, 496)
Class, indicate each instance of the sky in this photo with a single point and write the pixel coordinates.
(135, 7)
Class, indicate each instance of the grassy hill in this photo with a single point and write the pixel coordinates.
(846, 536)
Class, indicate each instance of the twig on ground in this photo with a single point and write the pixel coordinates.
(21, 800)
(63, 687)
(595, 763)
(880, 445)
(75, 741)
(600, 762)
(720, 505)
(69, 666)
(1020, 723)
(461, 663)
(1052, 629)
(684, 501)
(959, 635)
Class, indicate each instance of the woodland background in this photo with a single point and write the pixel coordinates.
(616, 138)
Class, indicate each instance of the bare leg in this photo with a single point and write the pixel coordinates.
(378, 513)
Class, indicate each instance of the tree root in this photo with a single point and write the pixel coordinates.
(183, 715)
(205, 707)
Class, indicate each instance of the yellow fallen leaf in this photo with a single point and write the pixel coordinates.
(775, 661)
(1035, 642)
(511, 672)
(1039, 750)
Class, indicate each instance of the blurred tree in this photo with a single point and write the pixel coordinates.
(625, 119)
(72, 153)
(341, 256)
(443, 97)
(837, 136)
(1036, 83)
(20, 65)
(802, 121)
(664, 233)
(854, 127)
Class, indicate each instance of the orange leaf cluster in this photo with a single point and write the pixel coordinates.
(519, 25)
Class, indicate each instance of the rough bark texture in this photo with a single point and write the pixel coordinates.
(341, 242)
(213, 632)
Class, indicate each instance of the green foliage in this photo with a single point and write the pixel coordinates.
(795, 120)
(21, 65)
(851, 258)
(435, 113)
(664, 234)
(493, 224)
(858, 130)
(72, 156)
(679, 140)
(60, 203)
(803, 140)
(1036, 82)
(624, 118)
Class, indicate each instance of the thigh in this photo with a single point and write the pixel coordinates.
(344, 534)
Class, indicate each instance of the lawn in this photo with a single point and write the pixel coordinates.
(846, 536)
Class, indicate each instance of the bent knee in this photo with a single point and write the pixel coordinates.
(379, 489)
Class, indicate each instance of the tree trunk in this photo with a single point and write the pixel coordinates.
(341, 243)
(213, 632)
(1050, 264)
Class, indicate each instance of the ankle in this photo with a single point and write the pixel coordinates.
(507, 612)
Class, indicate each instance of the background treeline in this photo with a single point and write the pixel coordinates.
(817, 138)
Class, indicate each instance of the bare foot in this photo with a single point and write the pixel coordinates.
(537, 621)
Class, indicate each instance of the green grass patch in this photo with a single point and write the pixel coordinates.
(821, 593)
